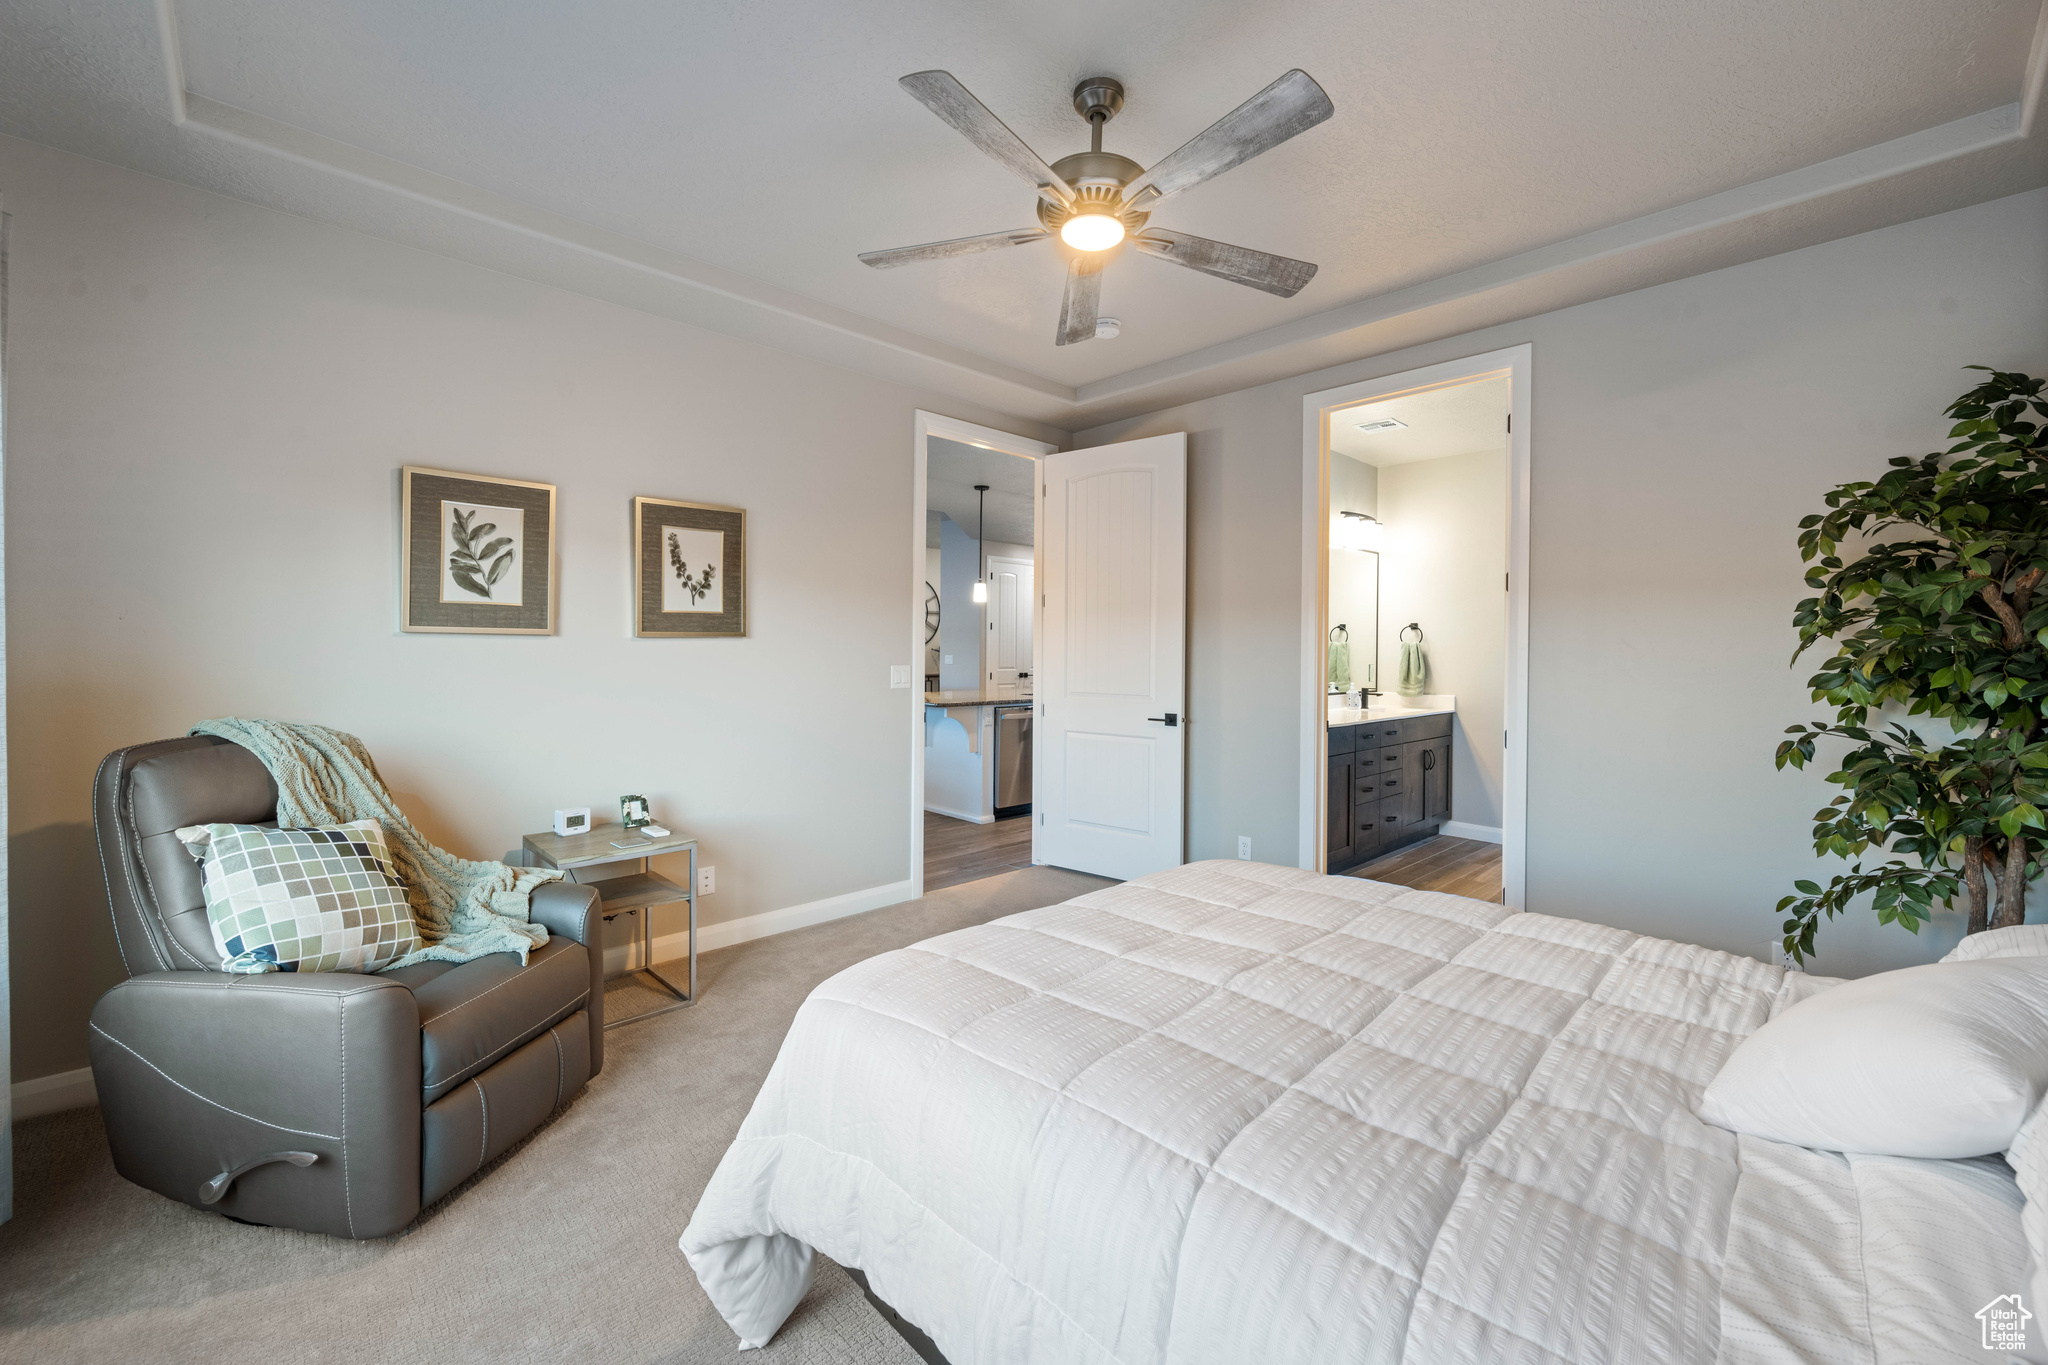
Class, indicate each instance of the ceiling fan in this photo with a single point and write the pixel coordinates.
(1094, 200)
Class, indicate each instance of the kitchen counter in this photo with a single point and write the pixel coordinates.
(985, 697)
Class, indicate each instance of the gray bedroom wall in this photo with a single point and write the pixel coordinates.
(209, 406)
(1678, 435)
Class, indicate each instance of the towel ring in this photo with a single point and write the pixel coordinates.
(1339, 634)
(1404, 634)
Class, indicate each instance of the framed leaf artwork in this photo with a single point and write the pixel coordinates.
(689, 568)
(477, 552)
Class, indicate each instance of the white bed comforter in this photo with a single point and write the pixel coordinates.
(1236, 1113)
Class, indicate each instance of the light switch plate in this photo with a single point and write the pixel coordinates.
(899, 675)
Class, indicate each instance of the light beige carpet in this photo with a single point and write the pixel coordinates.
(564, 1249)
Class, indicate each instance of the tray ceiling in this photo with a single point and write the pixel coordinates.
(725, 162)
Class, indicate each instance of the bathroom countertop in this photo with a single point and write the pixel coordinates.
(985, 697)
(1385, 708)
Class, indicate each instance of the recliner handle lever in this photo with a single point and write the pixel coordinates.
(212, 1191)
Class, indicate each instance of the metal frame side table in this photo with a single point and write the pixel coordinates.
(631, 893)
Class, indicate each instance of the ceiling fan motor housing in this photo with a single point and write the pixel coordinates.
(1098, 179)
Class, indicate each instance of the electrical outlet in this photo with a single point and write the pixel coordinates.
(948, 659)
(1244, 847)
(899, 675)
(707, 880)
(1776, 955)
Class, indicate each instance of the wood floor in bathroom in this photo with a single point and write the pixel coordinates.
(1457, 867)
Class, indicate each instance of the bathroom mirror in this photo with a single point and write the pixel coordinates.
(1355, 605)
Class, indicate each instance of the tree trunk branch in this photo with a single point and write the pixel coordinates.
(2012, 888)
(2007, 617)
(2023, 591)
(1973, 884)
(1994, 867)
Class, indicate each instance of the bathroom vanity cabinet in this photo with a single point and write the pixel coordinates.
(1390, 785)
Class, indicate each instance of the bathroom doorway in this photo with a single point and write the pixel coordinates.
(1415, 535)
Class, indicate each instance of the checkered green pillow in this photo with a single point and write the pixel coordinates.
(302, 900)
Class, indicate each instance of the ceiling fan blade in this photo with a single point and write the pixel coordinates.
(1083, 298)
(939, 92)
(1281, 275)
(1293, 104)
(959, 246)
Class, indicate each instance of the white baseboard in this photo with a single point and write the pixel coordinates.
(51, 1094)
(726, 933)
(1458, 829)
(952, 814)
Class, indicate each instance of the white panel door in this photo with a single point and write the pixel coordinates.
(1112, 680)
(1011, 598)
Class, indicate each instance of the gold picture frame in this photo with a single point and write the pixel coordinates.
(476, 554)
(689, 569)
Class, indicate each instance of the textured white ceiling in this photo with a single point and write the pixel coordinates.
(952, 470)
(1458, 420)
(770, 142)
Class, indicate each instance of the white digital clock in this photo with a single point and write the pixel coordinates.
(575, 820)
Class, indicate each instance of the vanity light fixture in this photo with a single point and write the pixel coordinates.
(1357, 531)
(980, 506)
(1381, 424)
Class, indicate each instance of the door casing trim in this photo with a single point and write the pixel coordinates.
(1315, 560)
(926, 425)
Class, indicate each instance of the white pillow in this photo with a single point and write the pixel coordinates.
(1945, 1060)
(2021, 940)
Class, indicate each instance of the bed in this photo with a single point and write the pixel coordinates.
(1235, 1112)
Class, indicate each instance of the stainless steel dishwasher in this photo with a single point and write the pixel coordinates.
(1013, 759)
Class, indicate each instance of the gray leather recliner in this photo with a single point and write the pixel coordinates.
(332, 1102)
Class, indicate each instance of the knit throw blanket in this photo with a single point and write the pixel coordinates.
(463, 909)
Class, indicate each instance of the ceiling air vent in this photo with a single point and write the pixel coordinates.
(1382, 424)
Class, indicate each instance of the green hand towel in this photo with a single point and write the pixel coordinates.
(1408, 679)
(1340, 666)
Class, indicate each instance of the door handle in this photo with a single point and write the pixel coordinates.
(1170, 719)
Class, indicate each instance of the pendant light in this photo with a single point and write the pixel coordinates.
(980, 507)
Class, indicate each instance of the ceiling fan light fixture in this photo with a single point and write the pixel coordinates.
(1092, 231)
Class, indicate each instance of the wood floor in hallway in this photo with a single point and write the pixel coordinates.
(957, 851)
(1458, 867)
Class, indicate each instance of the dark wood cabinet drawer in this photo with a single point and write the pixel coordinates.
(1366, 761)
(1343, 739)
(1391, 782)
(1389, 757)
(1366, 834)
(1427, 727)
(1391, 818)
(1380, 732)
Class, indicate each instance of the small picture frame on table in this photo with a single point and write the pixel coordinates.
(477, 554)
(689, 568)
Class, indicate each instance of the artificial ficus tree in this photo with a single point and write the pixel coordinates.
(1944, 612)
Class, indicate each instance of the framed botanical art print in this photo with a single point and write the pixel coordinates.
(689, 568)
(478, 554)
